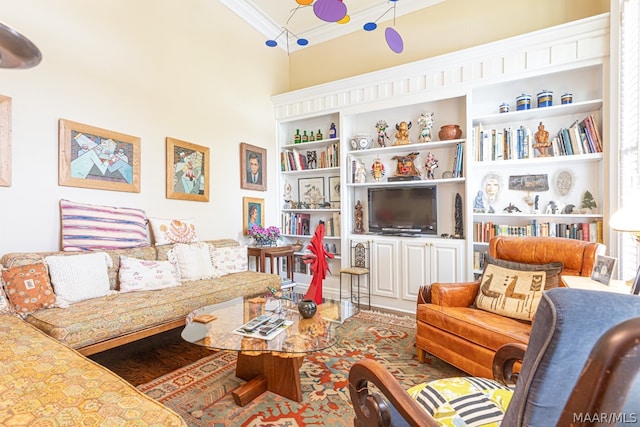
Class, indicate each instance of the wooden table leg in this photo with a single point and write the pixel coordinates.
(282, 375)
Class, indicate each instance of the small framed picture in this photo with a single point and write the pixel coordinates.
(253, 167)
(603, 269)
(187, 171)
(334, 189)
(635, 286)
(311, 192)
(252, 213)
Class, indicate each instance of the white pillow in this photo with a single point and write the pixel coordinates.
(230, 259)
(79, 277)
(167, 231)
(142, 275)
(193, 260)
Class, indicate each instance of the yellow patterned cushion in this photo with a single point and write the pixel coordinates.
(45, 383)
(464, 401)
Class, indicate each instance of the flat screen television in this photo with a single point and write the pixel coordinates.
(403, 210)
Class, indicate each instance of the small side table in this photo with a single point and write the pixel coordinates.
(581, 282)
(261, 254)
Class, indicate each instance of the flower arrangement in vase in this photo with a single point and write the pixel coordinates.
(264, 236)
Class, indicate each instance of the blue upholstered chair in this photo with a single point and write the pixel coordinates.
(581, 362)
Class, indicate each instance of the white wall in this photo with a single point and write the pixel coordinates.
(190, 70)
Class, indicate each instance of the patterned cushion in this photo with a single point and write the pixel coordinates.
(79, 277)
(194, 261)
(86, 227)
(5, 306)
(142, 275)
(230, 260)
(28, 288)
(166, 231)
(464, 401)
(514, 289)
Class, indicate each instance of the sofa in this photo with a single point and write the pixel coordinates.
(450, 324)
(44, 376)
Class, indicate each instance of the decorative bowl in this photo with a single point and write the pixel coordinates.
(448, 132)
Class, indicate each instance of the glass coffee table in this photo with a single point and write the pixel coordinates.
(267, 364)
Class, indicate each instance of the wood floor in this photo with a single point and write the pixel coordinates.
(144, 360)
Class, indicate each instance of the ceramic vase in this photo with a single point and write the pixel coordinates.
(449, 132)
(307, 308)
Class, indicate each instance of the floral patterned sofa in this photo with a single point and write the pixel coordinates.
(44, 377)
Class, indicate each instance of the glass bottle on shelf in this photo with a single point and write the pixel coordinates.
(332, 131)
(305, 137)
(297, 138)
(319, 136)
(312, 137)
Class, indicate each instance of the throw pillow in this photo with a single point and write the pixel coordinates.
(28, 288)
(514, 289)
(79, 277)
(166, 231)
(88, 227)
(5, 307)
(193, 260)
(142, 275)
(231, 259)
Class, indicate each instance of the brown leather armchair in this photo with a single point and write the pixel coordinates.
(449, 326)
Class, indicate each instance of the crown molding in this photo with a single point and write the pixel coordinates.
(258, 19)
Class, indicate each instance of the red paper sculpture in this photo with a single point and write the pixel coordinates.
(319, 265)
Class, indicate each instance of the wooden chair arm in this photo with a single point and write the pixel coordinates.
(504, 360)
(373, 410)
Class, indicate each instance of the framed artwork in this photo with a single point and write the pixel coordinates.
(252, 213)
(91, 157)
(603, 269)
(334, 189)
(187, 171)
(311, 192)
(5, 141)
(253, 167)
(635, 286)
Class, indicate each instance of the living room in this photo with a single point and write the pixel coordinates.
(199, 73)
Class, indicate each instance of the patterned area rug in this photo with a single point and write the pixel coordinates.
(200, 392)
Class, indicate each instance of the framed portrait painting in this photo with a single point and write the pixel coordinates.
(5, 141)
(253, 167)
(252, 213)
(91, 157)
(187, 171)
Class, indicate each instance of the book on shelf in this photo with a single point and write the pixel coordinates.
(587, 231)
(299, 160)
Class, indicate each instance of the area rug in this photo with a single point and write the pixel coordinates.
(200, 392)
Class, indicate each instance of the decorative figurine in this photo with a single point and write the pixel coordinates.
(287, 196)
(478, 203)
(402, 134)
(360, 175)
(426, 123)
(406, 165)
(542, 140)
(359, 223)
(588, 203)
(511, 208)
(536, 204)
(381, 127)
(459, 231)
(431, 165)
(552, 208)
(377, 170)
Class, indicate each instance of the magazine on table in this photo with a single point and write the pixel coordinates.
(267, 327)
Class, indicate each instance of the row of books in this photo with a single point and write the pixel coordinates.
(294, 160)
(510, 143)
(587, 231)
(457, 161)
(297, 223)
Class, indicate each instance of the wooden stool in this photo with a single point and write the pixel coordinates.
(275, 253)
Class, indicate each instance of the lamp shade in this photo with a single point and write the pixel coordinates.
(16, 51)
(626, 219)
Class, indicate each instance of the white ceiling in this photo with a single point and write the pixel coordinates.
(270, 16)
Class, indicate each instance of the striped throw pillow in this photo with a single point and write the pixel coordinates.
(89, 227)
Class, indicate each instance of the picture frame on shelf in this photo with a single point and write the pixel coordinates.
(311, 192)
(253, 167)
(603, 269)
(5, 141)
(635, 286)
(252, 213)
(91, 157)
(334, 189)
(187, 171)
